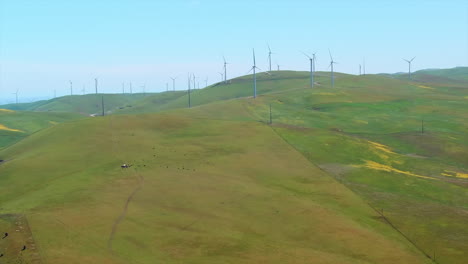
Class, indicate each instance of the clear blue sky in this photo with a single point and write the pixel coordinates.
(44, 44)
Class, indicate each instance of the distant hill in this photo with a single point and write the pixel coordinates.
(16, 125)
(90, 103)
(458, 75)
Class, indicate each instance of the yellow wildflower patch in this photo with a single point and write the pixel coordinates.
(2, 127)
(425, 87)
(377, 166)
(333, 94)
(455, 174)
(6, 110)
(362, 122)
(381, 147)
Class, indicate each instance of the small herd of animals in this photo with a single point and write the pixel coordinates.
(6, 236)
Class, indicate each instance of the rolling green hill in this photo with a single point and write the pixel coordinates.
(374, 170)
(456, 76)
(17, 125)
(92, 103)
(196, 193)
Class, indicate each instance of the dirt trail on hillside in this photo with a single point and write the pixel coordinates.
(122, 215)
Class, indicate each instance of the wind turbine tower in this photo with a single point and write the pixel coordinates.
(312, 68)
(254, 68)
(331, 66)
(364, 66)
(16, 94)
(95, 84)
(173, 82)
(189, 82)
(194, 82)
(225, 70)
(409, 66)
(269, 57)
(71, 88)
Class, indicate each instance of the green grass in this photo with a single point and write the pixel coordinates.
(204, 194)
(27, 123)
(216, 184)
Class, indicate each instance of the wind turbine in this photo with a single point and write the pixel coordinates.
(173, 82)
(409, 66)
(16, 94)
(331, 65)
(225, 71)
(131, 89)
(194, 82)
(123, 88)
(222, 76)
(84, 89)
(206, 82)
(312, 68)
(278, 67)
(269, 57)
(359, 69)
(188, 82)
(71, 88)
(167, 87)
(364, 66)
(254, 67)
(95, 84)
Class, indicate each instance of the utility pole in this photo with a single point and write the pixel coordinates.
(102, 103)
(270, 116)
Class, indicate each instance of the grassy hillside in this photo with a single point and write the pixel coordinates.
(197, 192)
(343, 175)
(17, 125)
(91, 103)
(278, 81)
(367, 133)
(456, 76)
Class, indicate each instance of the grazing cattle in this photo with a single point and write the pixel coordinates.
(24, 248)
(1, 255)
(6, 234)
(125, 166)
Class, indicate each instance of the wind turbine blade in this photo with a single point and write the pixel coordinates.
(329, 52)
(306, 55)
(250, 70)
(269, 48)
(412, 59)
